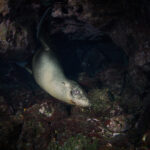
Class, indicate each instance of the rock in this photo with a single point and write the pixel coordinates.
(114, 79)
(5, 109)
(116, 91)
(4, 10)
(146, 138)
(3, 34)
(10, 126)
(35, 126)
(100, 100)
(118, 124)
(12, 38)
(45, 110)
(138, 79)
(142, 57)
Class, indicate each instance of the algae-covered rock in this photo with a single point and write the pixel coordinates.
(46, 110)
(12, 37)
(131, 102)
(4, 10)
(78, 142)
(38, 111)
(138, 79)
(114, 79)
(5, 110)
(15, 38)
(35, 127)
(10, 126)
(32, 130)
(142, 57)
(116, 105)
(119, 124)
(100, 99)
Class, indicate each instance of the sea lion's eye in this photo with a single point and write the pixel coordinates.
(75, 92)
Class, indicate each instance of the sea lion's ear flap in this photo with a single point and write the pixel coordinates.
(65, 84)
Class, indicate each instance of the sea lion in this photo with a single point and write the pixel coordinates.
(49, 75)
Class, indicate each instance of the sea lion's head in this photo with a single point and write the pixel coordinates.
(76, 95)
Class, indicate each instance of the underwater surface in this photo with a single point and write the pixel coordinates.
(104, 47)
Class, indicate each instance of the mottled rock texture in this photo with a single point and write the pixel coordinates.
(105, 46)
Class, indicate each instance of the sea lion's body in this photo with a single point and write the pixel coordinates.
(49, 75)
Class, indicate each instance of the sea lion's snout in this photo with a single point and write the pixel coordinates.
(80, 102)
(83, 103)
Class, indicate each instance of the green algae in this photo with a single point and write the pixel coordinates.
(100, 99)
(78, 142)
